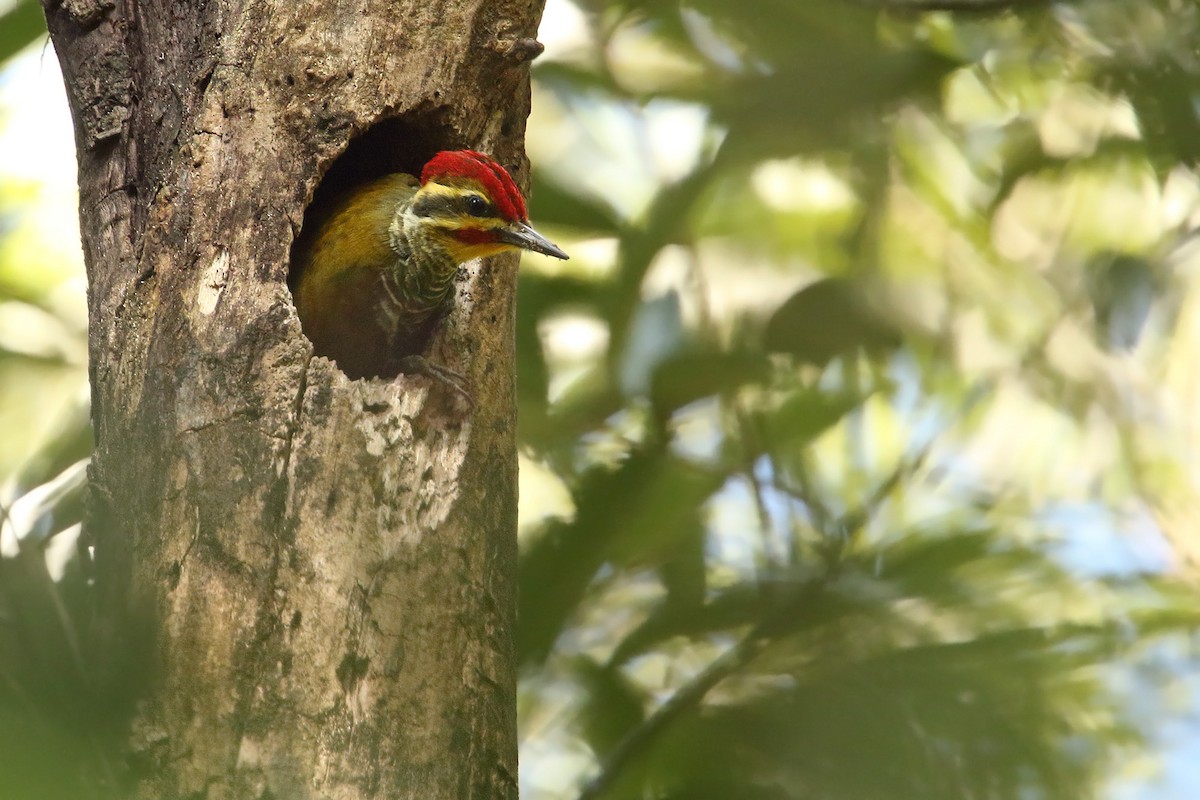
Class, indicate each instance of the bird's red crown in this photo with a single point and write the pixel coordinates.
(494, 178)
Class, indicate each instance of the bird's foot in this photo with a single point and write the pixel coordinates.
(419, 365)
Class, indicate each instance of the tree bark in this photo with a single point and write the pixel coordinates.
(328, 565)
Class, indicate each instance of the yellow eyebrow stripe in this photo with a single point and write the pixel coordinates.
(450, 218)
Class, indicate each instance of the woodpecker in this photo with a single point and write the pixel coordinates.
(374, 274)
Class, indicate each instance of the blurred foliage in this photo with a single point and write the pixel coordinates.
(20, 24)
(63, 703)
(65, 697)
(856, 437)
(43, 337)
(866, 388)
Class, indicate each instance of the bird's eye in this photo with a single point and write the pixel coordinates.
(477, 206)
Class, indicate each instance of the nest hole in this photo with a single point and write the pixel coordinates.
(402, 144)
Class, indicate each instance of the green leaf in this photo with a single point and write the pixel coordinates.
(612, 706)
(19, 26)
(829, 318)
(804, 416)
(774, 608)
(690, 376)
(634, 516)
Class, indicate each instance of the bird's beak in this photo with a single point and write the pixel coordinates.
(521, 235)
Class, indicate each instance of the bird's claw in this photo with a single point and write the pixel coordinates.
(419, 365)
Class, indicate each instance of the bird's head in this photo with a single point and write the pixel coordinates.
(474, 209)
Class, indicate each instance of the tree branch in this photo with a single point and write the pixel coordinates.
(687, 698)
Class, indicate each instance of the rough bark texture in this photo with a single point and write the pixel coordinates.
(328, 564)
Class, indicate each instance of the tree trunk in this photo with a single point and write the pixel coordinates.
(328, 565)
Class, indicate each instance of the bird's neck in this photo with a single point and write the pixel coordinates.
(421, 281)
